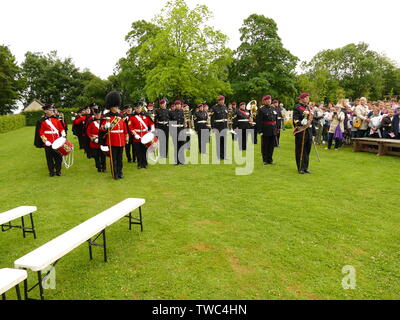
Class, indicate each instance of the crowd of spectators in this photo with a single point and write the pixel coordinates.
(346, 120)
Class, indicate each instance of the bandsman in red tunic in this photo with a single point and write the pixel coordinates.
(92, 133)
(50, 129)
(139, 125)
(116, 133)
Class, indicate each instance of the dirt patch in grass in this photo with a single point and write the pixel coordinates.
(299, 291)
(202, 247)
(237, 267)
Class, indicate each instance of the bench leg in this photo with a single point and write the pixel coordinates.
(26, 289)
(40, 285)
(33, 226)
(3, 296)
(18, 292)
(93, 243)
(23, 226)
(139, 221)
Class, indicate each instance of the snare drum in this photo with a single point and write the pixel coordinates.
(62, 146)
(105, 150)
(150, 141)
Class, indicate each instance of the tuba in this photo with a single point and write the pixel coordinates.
(252, 107)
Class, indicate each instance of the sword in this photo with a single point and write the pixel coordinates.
(315, 148)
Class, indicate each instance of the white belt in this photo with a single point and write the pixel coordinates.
(243, 120)
(202, 121)
(164, 122)
(51, 132)
(117, 131)
(144, 130)
(222, 120)
(177, 125)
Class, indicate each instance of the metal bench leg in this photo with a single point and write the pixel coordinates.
(18, 292)
(33, 226)
(3, 296)
(93, 243)
(104, 245)
(141, 221)
(26, 288)
(40, 285)
(23, 226)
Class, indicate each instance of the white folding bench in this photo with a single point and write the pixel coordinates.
(51, 252)
(19, 212)
(10, 278)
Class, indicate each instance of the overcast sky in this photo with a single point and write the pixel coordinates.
(92, 31)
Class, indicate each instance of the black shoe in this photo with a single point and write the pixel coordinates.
(120, 176)
(265, 163)
(52, 174)
(99, 170)
(302, 172)
(58, 174)
(306, 171)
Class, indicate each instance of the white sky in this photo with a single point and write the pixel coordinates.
(92, 31)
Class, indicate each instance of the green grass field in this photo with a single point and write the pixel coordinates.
(209, 234)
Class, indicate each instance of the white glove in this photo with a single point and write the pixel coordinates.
(96, 140)
(63, 134)
(47, 143)
(137, 137)
(304, 122)
(107, 125)
(72, 118)
(152, 129)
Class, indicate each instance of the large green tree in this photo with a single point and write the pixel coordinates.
(262, 65)
(352, 71)
(11, 83)
(178, 56)
(51, 79)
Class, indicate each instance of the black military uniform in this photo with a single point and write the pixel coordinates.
(176, 125)
(129, 149)
(266, 124)
(241, 122)
(161, 120)
(303, 138)
(219, 121)
(201, 124)
(278, 125)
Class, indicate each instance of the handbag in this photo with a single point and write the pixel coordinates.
(357, 124)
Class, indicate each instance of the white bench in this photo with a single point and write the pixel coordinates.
(19, 212)
(10, 278)
(51, 252)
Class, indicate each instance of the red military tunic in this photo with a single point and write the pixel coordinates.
(136, 126)
(93, 133)
(51, 129)
(118, 131)
(78, 120)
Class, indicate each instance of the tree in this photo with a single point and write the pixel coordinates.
(11, 82)
(354, 70)
(177, 57)
(262, 65)
(51, 79)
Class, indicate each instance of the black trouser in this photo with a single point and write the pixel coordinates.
(303, 142)
(80, 140)
(255, 141)
(117, 160)
(278, 137)
(99, 158)
(242, 134)
(267, 147)
(54, 160)
(163, 143)
(206, 138)
(178, 145)
(141, 154)
(221, 139)
(338, 142)
(361, 133)
(131, 157)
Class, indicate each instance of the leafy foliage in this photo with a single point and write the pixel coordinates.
(11, 122)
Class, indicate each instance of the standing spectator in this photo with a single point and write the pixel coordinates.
(336, 127)
(327, 123)
(387, 125)
(362, 114)
(375, 124)
(318, 124)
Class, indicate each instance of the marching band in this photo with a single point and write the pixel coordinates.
(107, 133)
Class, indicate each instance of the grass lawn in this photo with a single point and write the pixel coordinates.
(209, 234)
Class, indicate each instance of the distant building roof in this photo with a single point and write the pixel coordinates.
(34, 106)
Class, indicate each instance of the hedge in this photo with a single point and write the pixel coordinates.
(11, 122)
(33, 116)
